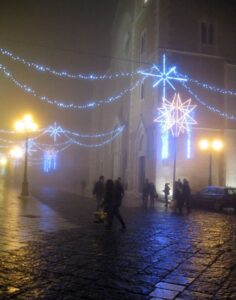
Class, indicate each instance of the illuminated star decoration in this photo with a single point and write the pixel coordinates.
(55, 131)
(164, 76)
(176, 115)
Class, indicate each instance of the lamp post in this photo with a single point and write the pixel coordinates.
(26, 126)
(211, 146)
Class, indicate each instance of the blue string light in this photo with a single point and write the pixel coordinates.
(98, 144)
(65, 74)
(61, 103)
(210, 107)
(210, 87)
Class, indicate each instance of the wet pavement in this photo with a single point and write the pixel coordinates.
(51, 249)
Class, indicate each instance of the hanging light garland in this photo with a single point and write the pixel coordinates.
(46, 69)
(62, 103)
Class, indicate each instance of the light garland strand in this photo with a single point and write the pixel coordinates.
(45, 69)
(98, 144)
(97, 135)
(210, 87)
(61, 103)
(210, 107)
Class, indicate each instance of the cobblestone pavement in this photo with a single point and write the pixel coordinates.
(51, 249)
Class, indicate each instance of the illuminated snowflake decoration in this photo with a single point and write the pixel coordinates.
(165, 76)
(50, 160)
(55, 131)
(176, 115)
(31, 147)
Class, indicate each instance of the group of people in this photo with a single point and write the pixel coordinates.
(181, 194)
(109, 197)
(149, 193)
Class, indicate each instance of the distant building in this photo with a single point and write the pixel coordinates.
(199, 38)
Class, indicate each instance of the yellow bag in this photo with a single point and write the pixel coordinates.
(100, 216)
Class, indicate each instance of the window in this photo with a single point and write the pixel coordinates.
(142, 90)
(210, 34)
(143, 43)
(126, 42)
(203, 33)
(207, 33)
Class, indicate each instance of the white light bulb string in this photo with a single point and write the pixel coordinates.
(62, 103)
(46, 69)
(208, 106)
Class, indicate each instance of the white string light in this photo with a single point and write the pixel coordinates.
(45, 69)
(62, 103)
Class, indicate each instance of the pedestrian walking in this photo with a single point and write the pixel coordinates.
(119, 195)
(152, 193)
(178, 196)
(186, 194)
(112, 203)
(98, 191)
(166, 193)
(146, 193)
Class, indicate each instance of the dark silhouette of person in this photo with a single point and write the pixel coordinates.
(146, 193)
(119, 191)
(167, 193)
(178, 195)
(152, 193)
(119, 195)
(186, 194)
(112, 203)
(98, 191)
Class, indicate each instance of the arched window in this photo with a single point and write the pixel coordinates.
(210, 34)
(203, 33)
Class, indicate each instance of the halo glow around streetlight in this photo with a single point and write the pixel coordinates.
(26, 124)
(16, 152)
(204, 144)
(3, 161)
(217, 145)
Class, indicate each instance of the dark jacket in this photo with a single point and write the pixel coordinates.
(99, 189)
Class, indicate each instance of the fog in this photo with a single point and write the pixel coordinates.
(71, 36)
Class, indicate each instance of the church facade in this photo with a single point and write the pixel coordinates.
(197, 41)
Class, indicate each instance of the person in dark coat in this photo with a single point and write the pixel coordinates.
(98, 191)
(178, 196)
(166, 193)
(186, 194)
(112, 202)
(146, 193)
(152, 193)
(119, 195)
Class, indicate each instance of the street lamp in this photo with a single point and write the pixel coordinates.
(210, 146)
(26, 126)
(16, 152)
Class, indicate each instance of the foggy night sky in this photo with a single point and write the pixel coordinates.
(62, 34)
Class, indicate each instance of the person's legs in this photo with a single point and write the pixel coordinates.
(110, 216)
(166, 200)
(118, 215)
(99, 201)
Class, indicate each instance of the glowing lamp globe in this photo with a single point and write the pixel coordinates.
(16, 152)
(217, 145)
(204, 144)
(3, 161)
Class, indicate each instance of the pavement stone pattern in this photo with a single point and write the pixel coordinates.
(51, 249)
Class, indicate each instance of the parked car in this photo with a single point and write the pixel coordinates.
(215, 197)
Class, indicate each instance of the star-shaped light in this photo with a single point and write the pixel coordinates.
(176, 115)
(165, 76)
(55, 131)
